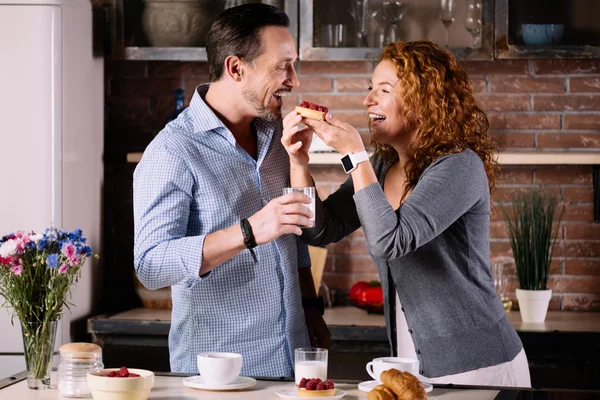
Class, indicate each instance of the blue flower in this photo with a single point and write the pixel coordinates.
(50, 235)
(52, 260)
(7, 237)
(88, 251)
(42, 244)
(75, 234)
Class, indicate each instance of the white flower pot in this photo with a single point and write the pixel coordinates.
(534, 304)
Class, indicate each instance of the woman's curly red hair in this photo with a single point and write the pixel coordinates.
(445, 117)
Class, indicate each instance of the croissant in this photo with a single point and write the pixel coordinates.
(381, 392)
(404, 384)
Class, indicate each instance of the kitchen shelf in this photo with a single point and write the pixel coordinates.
(505, 158)
(166, 53)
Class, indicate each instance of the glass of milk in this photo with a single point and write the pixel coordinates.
(309, 192)
(310, 362)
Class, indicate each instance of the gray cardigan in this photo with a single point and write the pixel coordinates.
(435, 248)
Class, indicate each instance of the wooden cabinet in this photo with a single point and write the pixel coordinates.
(359, 29)
(547, 29)
(324, 29)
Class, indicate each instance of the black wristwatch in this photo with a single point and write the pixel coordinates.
(316, 302)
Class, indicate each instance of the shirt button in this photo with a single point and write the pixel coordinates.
(410, 331)
(402, 308)
(418, 351)
(421, 372)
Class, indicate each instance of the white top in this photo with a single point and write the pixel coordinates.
(406, 347)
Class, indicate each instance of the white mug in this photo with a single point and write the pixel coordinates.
(219, 368)
(378, 365)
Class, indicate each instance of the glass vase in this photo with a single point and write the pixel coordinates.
(38, 343)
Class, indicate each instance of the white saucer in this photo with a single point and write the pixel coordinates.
(292, 393)
(367, 386)
(197, 382)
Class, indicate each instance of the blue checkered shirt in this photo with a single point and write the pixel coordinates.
(194, 179)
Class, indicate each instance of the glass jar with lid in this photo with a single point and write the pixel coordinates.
(77, 359)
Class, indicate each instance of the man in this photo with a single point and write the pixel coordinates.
(210, 220)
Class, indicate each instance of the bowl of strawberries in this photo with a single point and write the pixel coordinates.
(120, 383)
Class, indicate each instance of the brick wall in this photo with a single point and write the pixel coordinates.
(531, 104)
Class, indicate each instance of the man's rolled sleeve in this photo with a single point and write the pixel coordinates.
(162, 188)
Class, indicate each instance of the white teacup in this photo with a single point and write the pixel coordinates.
(378, 365)
(219, 368)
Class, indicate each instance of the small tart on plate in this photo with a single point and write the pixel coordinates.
(316, 393)
(315, 388)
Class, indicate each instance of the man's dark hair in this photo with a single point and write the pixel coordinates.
(236, 32)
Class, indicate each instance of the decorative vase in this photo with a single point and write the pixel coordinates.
(533, 304)
(176, 23)
(38, 343)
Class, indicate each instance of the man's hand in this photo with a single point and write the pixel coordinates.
(283, 215)
(295, 140)
(318, 331)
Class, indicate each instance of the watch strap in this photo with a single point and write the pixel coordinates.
(359, 157)
(248, 236)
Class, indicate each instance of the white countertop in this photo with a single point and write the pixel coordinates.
(170, 387)
(562, 321)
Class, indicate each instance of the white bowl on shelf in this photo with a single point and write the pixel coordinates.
(542, 34)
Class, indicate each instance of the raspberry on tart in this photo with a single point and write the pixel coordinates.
(312, 111)
(315, 388)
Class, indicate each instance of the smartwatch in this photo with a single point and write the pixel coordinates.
(351, 160)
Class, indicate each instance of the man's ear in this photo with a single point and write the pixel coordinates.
(234, 68)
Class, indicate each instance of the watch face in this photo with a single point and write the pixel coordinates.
(347, 163)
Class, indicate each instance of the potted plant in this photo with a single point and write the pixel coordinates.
(533, 231)
(37, 273)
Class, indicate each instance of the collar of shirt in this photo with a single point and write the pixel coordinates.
(205, 120)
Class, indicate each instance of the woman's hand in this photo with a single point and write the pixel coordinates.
(295, 140)
(343, 137)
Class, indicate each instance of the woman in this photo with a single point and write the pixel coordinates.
(424, 204)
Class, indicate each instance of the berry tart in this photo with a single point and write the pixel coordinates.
(312, 111)
(315, 388)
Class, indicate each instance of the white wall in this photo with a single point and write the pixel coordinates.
(51, 135)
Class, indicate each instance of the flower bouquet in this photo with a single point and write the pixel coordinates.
(37, 272)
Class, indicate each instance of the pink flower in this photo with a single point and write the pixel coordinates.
(5, 260)
(63, 269)
(69, 250)
(20, 244)
(17, 269)
(73, 260)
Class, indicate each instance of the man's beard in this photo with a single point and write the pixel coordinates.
(262, 111)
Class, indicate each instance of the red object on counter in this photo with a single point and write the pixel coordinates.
(368, 296)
